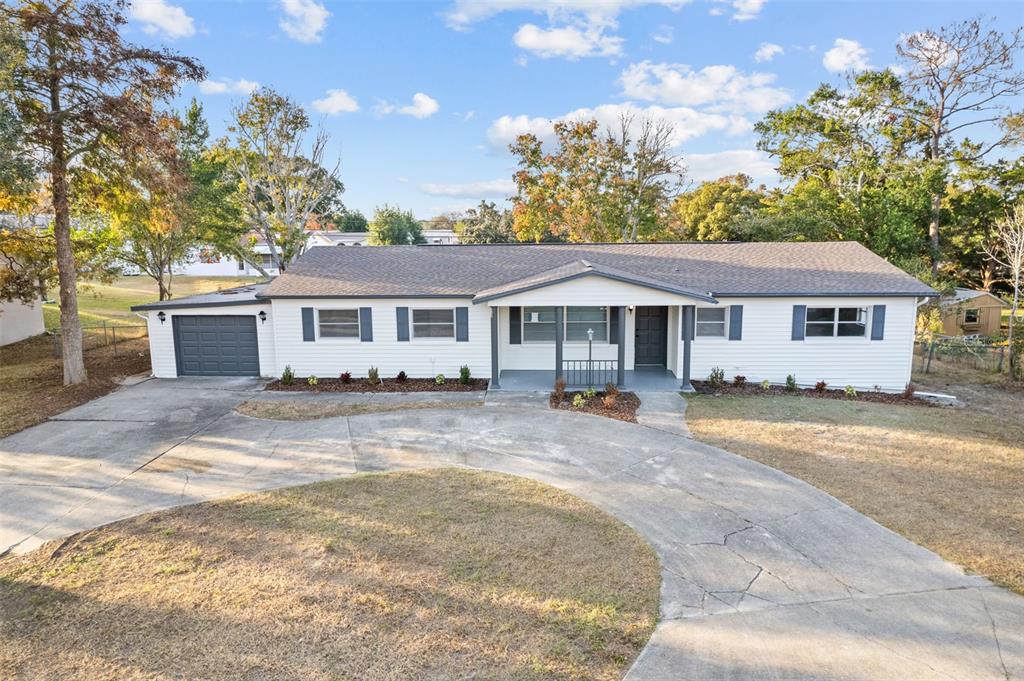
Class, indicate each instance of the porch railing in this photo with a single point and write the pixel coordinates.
(589, 372)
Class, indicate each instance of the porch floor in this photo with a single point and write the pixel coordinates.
(654, 379)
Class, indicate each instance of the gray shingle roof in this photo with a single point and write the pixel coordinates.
(723, 269)
(239, 295)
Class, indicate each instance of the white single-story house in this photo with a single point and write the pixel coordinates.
(19, 320)
(646, 316)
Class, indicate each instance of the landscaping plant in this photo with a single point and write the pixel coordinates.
(611, 389)
(791, 383)
(464, 374)
(401, 377)
(346, 376)
(578, 401)
(559, 391)
(373, 375)
(716, 379)
(312, 380)
(909, 390)
(439, 379)
(850, 391)
(589, 392)
(765, 385)
(820, 386)
(287, 376)
(739, 381)
(610, 399)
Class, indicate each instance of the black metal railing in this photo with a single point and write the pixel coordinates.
(589, 372)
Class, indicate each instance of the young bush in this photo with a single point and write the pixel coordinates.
(373, 375)
(850, 391)
(559, 391)
(611, 389)
(589, 392)
(345, 376)
(820, 386)
(440, 379)
(739, 381)
(716, 379)
(765, 385)
(464, 375)
(312, 380)
(610, 400)
(287, 376)
(791, 383)
(402, 377)
(909, 391)
(578, 401)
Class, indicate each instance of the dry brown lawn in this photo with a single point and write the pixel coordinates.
(303, 410)
(414, 575)
(950, 479)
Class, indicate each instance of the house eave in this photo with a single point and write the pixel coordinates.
(605, 275)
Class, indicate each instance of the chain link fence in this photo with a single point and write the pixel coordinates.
(978, 354)
(102, 335)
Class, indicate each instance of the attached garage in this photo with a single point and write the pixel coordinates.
(216, 345)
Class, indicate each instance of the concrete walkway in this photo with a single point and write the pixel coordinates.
(764, 576)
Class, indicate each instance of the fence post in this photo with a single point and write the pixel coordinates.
(113, 338)
(931, 353)
(999, 367)
(56, 344)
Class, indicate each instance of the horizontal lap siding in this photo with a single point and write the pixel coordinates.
(419, 358)
(161, 336)
(767, 351)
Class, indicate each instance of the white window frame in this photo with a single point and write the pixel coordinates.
(724, 323)
(358, 324)
(865, 310)
(977, 314)
(565, 325)
(430, 339)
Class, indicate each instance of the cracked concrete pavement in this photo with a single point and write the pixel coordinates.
(763, 576)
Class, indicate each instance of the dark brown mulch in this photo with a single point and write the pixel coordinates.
(387, 385)
(625, 407)
(755, 389)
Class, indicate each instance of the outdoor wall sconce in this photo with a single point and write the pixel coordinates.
(161, 316)
(631, 308)
(263, 316)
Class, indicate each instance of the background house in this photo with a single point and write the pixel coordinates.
(19, 321)
(969, 312)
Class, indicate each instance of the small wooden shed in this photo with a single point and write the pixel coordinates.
(968, 312)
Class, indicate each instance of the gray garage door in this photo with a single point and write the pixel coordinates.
(222, 345)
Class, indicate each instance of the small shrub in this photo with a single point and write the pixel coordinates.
(312, 380)
(402, 377)
(373, 375)
(440, 379)
(346, 376)
(464, 375)
(739, 381)
(765, 385)
(578, 401)
(820, 386)
(589, 392)
(716, 379)
(791, 383)
(610, 400)
(559, 391)
(850, 391)
(611, 389)
(287, 376)
(909, 391)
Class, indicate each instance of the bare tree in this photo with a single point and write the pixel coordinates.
(1008, 251)
(962, 75)
(281, 189)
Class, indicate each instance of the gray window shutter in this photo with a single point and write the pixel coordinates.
(402, 313)
(308, 330)
(799, 319)
(613, 325)
(461, 324)
(878, 323)
(515, 326)
(365, 324)
(735, 322)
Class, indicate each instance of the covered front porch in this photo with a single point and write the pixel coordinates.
(644, 379)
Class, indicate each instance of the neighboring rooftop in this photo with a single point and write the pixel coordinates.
(721, 269)
(963, 294)
(240, 295)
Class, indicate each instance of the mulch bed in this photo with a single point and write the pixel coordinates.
(386, 385)
(624, 409)
(755, 389)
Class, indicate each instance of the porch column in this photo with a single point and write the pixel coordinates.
(495, 371)
(687, 318)
(620, 380)
(559, 332)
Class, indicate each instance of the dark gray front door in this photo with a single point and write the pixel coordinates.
(651, 335)
(216, 345)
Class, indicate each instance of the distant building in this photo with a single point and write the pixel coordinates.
(969, 312)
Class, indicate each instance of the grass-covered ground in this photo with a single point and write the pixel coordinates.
(437, 574)
(950, 479)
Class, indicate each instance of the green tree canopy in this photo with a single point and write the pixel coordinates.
(391, 226)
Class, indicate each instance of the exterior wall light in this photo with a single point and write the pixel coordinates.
(263, 316)
(161, 316)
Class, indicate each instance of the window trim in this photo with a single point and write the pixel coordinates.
(430, 339)
(977, 313)
(565, 326)
(358, 324)
(724, 322)
(835, 322)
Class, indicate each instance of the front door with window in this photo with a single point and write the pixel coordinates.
(651, 336)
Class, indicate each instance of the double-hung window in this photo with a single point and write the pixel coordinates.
(836, 321)
(339, 323)
(433, 323)
(578, 320)
(711, 322)
(972, 316)
(539, 324)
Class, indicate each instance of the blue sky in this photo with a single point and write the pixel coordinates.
(421, 99)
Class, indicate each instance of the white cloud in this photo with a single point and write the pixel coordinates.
(688, 123)
(471, 190)
(846, 55)
(422, 106)
(521, 60)
(464, 13)
(768, 51)
(336, 102)
(664, 35)
(224, 86)
(158, 16)
(703, 167)
(572, 42)
(304, 20)
(745, 10)
(720, 87)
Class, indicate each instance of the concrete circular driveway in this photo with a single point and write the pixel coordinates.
(764, 576)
